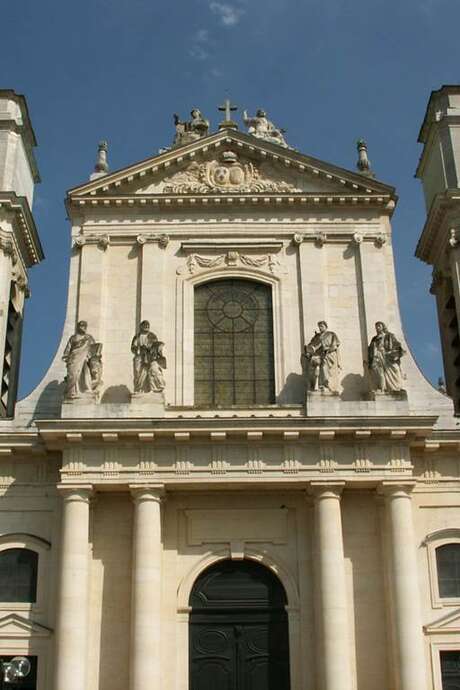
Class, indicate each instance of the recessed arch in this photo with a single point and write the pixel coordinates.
(277, 568)
(233, 343)
(185, 286)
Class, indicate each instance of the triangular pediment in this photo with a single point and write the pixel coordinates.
(13, 625)
(231, 162)
(449, 623)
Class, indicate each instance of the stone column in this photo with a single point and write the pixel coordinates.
(331, 589)
(404, 582)
(72, 610)
(145, 665)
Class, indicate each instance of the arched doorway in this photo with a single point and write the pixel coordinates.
(238, 629)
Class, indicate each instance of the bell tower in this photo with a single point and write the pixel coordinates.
(20, 246)
(439, 244)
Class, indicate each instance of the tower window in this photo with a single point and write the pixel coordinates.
(18, 575)
(448, 565)
(233, 344)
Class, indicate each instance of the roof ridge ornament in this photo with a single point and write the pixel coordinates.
(101, 167)
(228, 109)
(192, 130)
(363, 164)
(261, 127)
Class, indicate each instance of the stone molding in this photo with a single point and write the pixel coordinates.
(76, 492)
(323, 489)
(162, 239)
(147, 492)
(101, 241)
(320, 238)
(26, 229)
(396, 489)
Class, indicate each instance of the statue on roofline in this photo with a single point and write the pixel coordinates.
(191, 130)
(260, 126)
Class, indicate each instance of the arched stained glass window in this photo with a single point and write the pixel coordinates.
(233, 344)
(448, 564)
(18, 575)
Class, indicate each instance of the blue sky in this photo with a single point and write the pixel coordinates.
(330, 72)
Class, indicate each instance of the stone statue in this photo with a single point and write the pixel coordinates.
(259, 126)
(194, 129)
(83, 358)
(322, 359)
(384, 359)
(149, 361)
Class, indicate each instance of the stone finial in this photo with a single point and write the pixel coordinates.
(363, 164)
(102, 167)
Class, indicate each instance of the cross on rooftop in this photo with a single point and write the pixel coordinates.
(228, 108)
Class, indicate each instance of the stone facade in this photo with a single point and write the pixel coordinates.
(127, 497)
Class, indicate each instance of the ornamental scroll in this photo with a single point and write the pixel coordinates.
(225, 175)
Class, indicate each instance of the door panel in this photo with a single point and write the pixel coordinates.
(212, 657)
(238, 629)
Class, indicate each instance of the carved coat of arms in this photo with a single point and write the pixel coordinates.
(227, 175)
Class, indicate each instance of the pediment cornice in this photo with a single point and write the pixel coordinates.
(13, 625)
(253, 159)
(449, 623)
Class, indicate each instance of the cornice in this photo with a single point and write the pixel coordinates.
(432, 242)
(28, 234)
(223, 202)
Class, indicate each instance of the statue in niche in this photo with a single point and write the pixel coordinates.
(194, 129)
(83, 358)
(322, 359)
(384, 360)
(149, 361)
(261, 127)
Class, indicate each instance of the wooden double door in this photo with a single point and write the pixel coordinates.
(238, 629)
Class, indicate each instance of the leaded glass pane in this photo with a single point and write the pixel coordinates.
(18, 575)
(448, 562)
(233, 344)
(450, 670)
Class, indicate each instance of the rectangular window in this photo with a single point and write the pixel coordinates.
(29, 682)
(450, 670)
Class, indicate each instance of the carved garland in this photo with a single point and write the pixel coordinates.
(230, 259)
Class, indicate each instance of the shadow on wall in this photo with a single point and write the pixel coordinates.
(293, 391)
(116, 394)
(49, 401)
(353, 387)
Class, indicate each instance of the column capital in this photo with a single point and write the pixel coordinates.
(396, 489)
(324, 489)
(147, 492)
(76, 492)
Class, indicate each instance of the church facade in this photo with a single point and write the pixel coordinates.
(233, 474)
